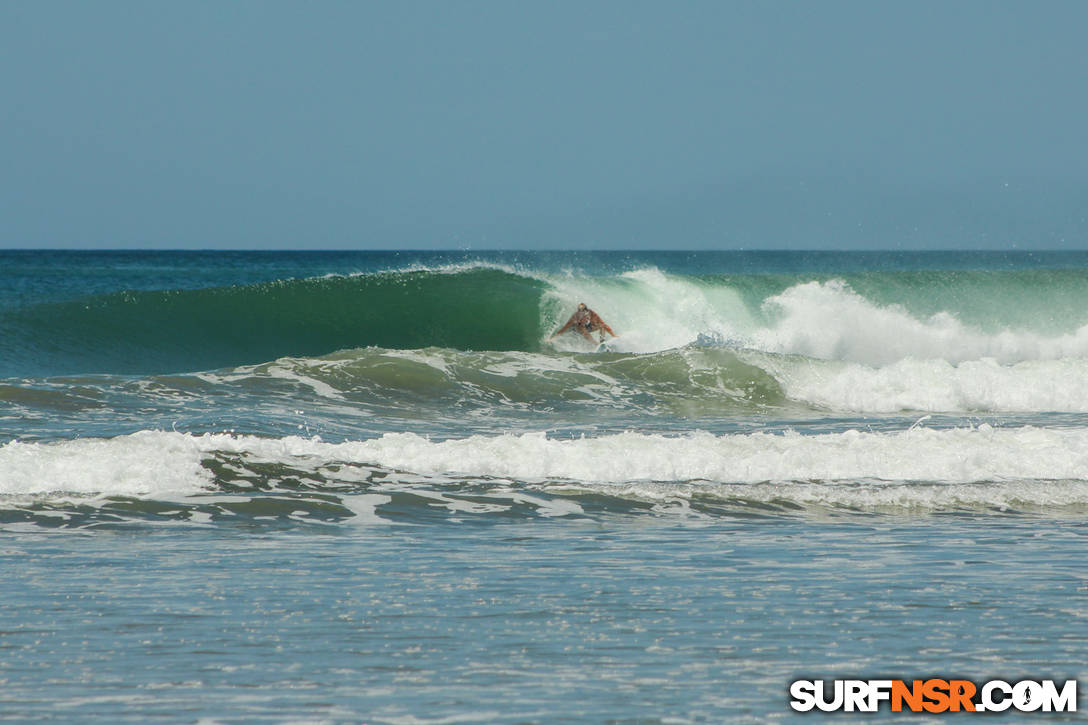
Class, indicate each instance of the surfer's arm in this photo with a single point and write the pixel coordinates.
(564, 328)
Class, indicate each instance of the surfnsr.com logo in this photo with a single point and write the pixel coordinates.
(933, 695)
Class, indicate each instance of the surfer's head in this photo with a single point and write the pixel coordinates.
(581, 305)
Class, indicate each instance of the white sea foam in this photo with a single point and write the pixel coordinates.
(934, 385)
(918, 467)
(648, 309)
(143, 464)
(830, 321)
(946, 456)
(656, 311)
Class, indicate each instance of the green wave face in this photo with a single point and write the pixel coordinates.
(371, 391)
(872, 318)
(691, 382)
(166, 331)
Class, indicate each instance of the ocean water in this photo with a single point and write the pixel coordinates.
(367, 487)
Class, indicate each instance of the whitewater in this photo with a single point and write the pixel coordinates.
(230, 481)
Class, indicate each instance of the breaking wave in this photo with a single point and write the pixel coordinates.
(403, 477)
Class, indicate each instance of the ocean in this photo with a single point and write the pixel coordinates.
(347, 487)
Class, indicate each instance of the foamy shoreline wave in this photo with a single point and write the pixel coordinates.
(921, 467)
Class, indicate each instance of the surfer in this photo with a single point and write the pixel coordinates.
(586, 321)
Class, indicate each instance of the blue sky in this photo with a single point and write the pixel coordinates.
(553, 125)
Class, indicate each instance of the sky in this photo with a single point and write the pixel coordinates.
(569, 125)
